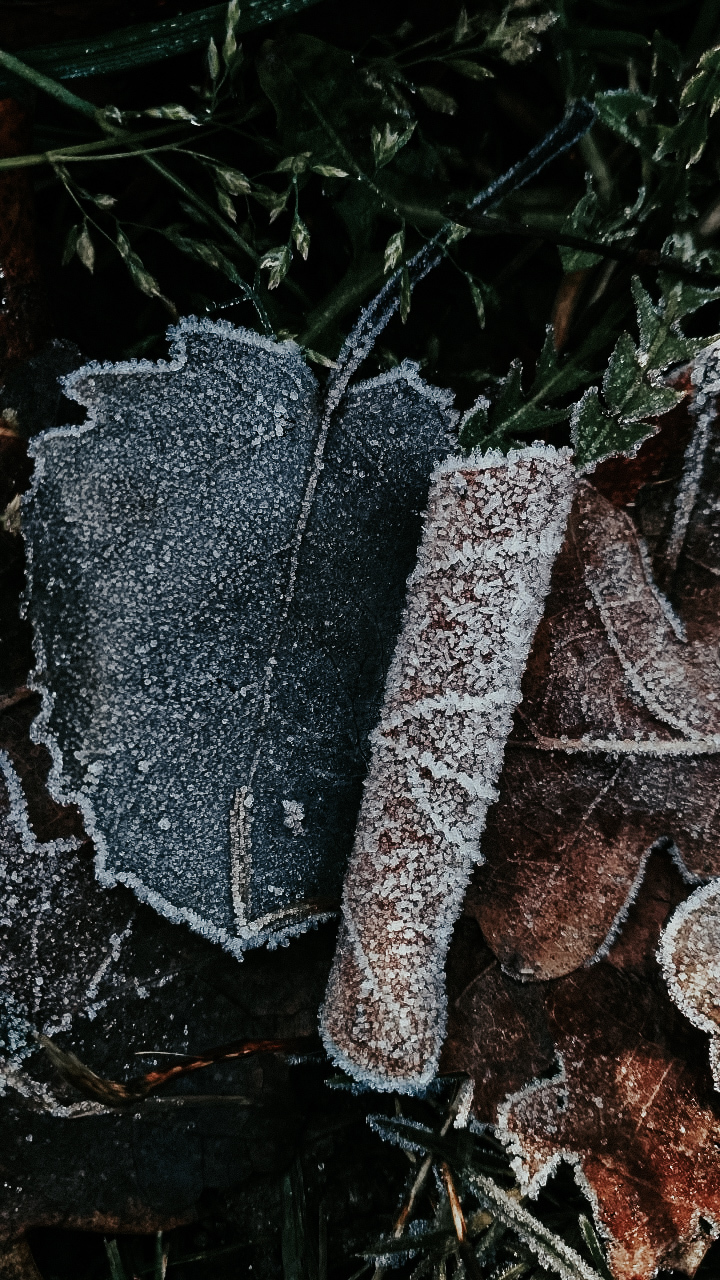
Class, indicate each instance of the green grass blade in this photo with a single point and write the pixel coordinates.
(147, 42)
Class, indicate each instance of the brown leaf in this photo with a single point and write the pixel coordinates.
(565, 305)
(614, 746)
(498, 1031)
(492, 532)
(633, 1103)
(689, 957)
(607, 820)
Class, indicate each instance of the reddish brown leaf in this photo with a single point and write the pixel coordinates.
(498, 1031)
(633, 1102)
(607, 820)
(565, 304)
(689, 956)
(614, 745)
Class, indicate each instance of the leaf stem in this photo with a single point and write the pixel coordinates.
(47, 85)
(79, 150)
(633, 256)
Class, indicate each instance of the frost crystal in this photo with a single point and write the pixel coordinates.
(493, 528)
(689, 954)
(50, 938)
(217, 577)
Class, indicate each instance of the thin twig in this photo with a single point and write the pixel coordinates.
(619, 252)
(79, 150)
(421, 1178)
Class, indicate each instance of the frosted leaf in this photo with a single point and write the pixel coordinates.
(607, 821)
(617, 743)
(217, 577)
(54, 947)
(632, 1107)
(493, 528)
(105, 977)
(690, 957)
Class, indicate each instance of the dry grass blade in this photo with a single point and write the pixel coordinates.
(465, 1249)
(115, 1093)
(422, 1175)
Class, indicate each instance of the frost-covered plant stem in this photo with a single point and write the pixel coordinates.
(493, 528)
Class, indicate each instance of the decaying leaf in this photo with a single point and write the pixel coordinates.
(69, 951)
(615, 745)
(690, 955)
(493, 529)
(632, 1104)
(105, 978)
(218, 574)
(625, 1093)
(607, 820)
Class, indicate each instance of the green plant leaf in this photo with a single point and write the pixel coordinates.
(140, 276)
(619, 110)
(103, 201)
(277, 263)
(234, 182)
(474, 426)
(300, 236)
(387, 143)
(471, 70)
(70, 246)
(135, 46)
(172, 111)
(627, 391)
(117, 1270)
(661, 342)
(556, 376)
(85, 248)
(225, 204)
(516, 39)
(213, 60)
(329, 171)
(581, 222)
(436, 100)
(478, 301)
(394, 249)
(462, 27)
(596, 434)
(274, 201)
(294, 164)
(208, 252)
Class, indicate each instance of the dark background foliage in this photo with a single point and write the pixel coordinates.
(319, 82)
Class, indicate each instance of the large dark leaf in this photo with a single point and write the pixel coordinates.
(217, 586)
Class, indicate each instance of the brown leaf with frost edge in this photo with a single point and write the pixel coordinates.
(632, 1105)
(606, 823)
(629, 1099)
(689, 954)
(493, 527)
(615, 744)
